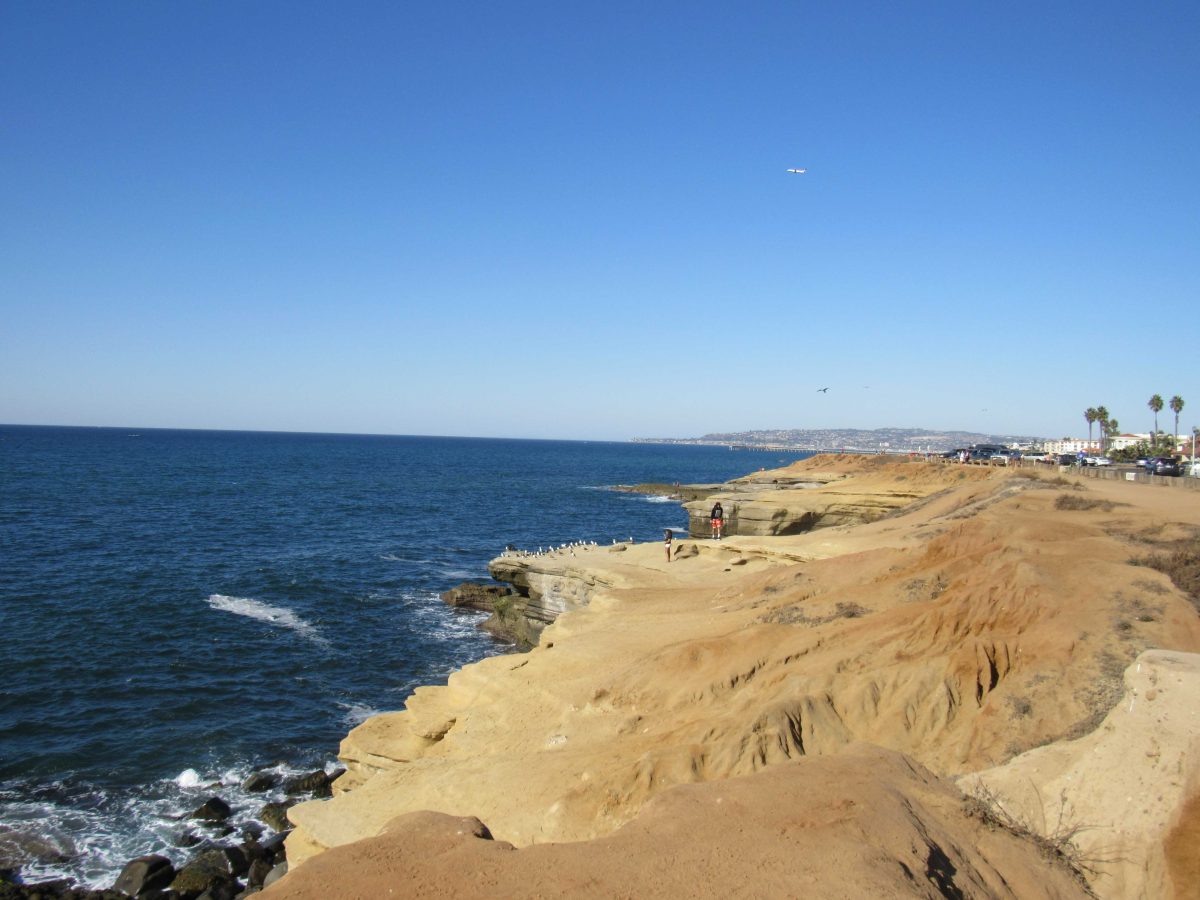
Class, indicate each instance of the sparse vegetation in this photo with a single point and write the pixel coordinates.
(795, 615)
(1182, 566)
(1022, 708)
(1056, 844)
(1071, 502)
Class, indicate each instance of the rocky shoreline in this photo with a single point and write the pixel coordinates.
(229, 857)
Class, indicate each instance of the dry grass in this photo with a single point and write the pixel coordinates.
(1073, 502)
(1182, 566)
(1056, 843)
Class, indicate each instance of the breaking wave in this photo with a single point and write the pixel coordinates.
(278, 616)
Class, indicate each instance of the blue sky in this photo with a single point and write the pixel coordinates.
(573, 220)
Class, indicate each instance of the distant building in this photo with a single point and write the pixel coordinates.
(1121, 441)
(1072, 445)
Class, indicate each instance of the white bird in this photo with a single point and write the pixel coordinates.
(797, 171)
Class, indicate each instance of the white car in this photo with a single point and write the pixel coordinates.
(1097, 461)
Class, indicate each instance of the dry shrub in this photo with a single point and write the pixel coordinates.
(1056, 842)
(1071, 502)
(1181, 566)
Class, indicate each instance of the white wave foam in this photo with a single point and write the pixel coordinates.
(279, 616)
(357, 713)
(658, 498)
(188, 778)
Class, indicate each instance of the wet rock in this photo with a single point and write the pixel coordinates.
(274, 816)
(316, 784)
(259, 870)
(185, 839)
(274, 846)
(221, 890)
(145, 874)
(202, 875)
(259, 782)
(214, 809)
(251, 831)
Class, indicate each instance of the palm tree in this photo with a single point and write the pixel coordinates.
(1176, 407)
(1156, 406)
(1091, 415)
(1102, 418)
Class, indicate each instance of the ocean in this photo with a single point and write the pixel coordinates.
(181, 608)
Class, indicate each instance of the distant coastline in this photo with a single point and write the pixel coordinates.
(849, 440)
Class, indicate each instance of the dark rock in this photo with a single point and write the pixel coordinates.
(229, 860)
(197, 878)
(221, 890)
(214, 809)
(251, 831)
(259, 870)
(145, 874)
(185, 839)
(315, 783)
(43, 890)
(274, 816)
(259, 782)
(274, 846)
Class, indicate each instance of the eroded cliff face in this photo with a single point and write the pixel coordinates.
(982, 620)
(864, 823)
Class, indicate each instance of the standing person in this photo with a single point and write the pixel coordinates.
(667, 538)
(717, 519)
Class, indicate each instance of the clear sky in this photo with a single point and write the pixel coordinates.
(573, 220)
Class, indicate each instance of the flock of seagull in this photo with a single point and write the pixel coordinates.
(510, 550)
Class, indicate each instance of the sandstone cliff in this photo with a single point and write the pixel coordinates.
(978, 617)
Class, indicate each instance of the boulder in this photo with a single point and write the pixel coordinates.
(316, 784)
(214, 809)
(274, 816)
(221, 890)
(144, 875)
(259, 870)
(205, 874)
(275, 847)
(258, 782)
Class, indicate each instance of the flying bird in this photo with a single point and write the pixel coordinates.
(822, 390)
(797, 171)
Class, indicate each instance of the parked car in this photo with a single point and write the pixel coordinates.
(1162, 465)
(1067, 459)
(1097, 461)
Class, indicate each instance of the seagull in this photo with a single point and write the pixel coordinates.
(822, 390)
(797, 171)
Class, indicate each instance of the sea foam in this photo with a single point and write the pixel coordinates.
(279, 616)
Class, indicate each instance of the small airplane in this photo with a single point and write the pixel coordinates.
(797, 171)
(822, 390)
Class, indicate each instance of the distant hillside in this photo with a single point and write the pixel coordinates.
(886, 439)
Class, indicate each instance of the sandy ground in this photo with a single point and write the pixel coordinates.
(986, 619)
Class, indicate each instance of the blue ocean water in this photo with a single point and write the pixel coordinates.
(179, 608)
